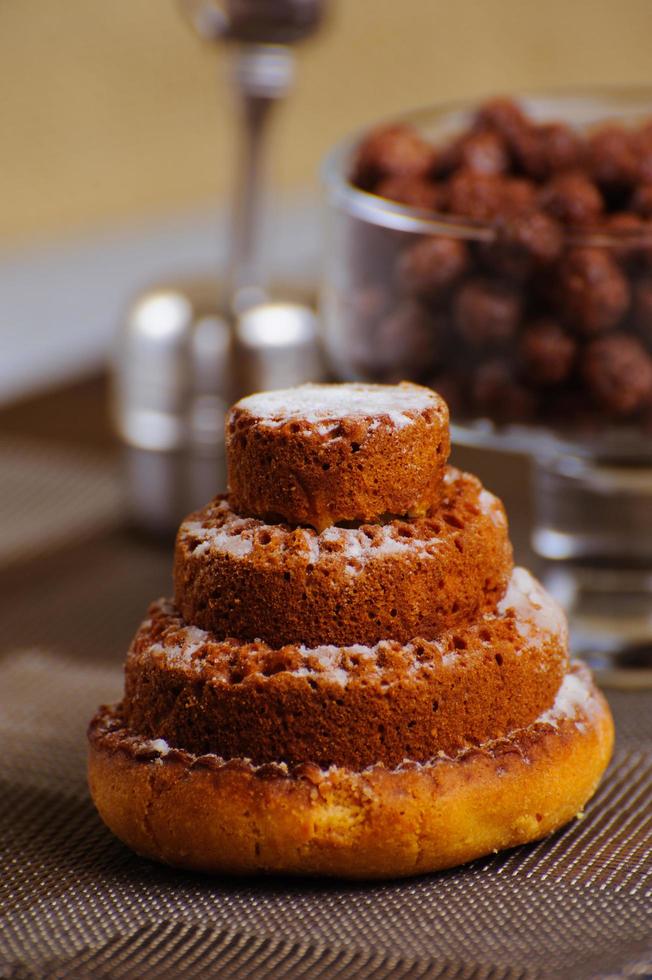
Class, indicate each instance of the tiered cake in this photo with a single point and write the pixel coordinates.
(352, 678)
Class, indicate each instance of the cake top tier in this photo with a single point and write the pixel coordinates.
(324, 406)
(322, 454)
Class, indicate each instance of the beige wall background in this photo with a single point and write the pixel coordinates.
(113, 110)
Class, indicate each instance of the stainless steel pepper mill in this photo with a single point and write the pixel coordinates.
(186, 350)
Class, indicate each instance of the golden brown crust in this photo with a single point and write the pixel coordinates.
(321, 454)
(407, 578)
(207, 815)
(351, 706)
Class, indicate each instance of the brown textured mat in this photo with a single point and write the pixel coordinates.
(75, 903)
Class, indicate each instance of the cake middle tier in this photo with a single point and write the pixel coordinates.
(348, 706)
(410, 577)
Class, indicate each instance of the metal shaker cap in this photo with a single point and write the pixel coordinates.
(171, 373)
(277, 346)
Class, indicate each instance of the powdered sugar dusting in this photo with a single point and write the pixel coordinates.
(491, 507)
(337, 675)
(182, 647)
(326, 405)
(239, 537)
(227, 538)
(537, 614)
(329, 661)
(575, 696)
(158, 745)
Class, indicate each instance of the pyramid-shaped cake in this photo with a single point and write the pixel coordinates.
(352, 679)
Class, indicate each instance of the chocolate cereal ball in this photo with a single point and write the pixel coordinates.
(618, 373)
(416, 192)
(496, 394)
(483, 153)
(519, 195)
(431, 266)
(644, 154)
(521, 244)
(483, 197)
(572, 198)
(628, 236)
(612, 157)
(406, 343)
(559, 148)
(487, 313)
(392, 151)
(535, 232)
(642, 307)
(641, 201)
(547, 352)
(476, 196)
(504, 116)
(593, 292)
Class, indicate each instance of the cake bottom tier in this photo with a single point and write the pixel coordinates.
(231, 817)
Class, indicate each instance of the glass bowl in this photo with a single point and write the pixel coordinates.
(502, 334)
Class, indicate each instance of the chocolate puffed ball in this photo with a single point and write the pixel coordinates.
(416, 192)
(475, 196)
(543, 150)
(547, 352)
(369, 302)
(484, 152)
(519, 195)
(593, 292)
(487, 313)
(406, 342)
(392, 151)
(429, 268)
(453, 389)
(357, 312)
(644, 154)
(641, 201)
(496, 394)
(572, 198)
(504, 116)
(535, 232)
(560, 148)
(617, 371)
(612, 157)
(522, 243)
(482, 197)
(642, 307)
(628, 236)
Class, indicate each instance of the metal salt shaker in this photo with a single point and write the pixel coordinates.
(171, 388)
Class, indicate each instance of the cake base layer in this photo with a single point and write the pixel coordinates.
(229, 817)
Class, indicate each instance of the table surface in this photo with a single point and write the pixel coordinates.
(74, 583)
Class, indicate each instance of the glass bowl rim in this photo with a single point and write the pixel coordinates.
(345, 196)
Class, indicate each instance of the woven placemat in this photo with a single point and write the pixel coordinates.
(75, 903)
(50, 495)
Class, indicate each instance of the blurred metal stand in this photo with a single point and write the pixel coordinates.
(187, 350)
